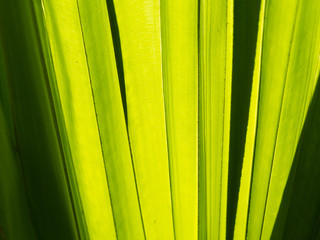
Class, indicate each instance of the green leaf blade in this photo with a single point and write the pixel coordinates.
(139, 29)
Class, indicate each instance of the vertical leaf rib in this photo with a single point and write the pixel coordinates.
(179, 36)
(216, 40)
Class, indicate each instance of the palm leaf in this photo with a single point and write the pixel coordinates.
(158, 119)
(215, 56)
(273, 144)
(179, 28)
(37, 194)
(139, 30)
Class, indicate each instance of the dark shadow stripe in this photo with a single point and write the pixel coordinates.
(118, 54)
(246, 19)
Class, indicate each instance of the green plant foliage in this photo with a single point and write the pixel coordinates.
(179, 36)
(159, 119)
(301, 187)
(215, 61)
(39, 199)
(272, 145)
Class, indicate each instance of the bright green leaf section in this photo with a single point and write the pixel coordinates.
(139, 28)
(75, 89)
(215, 56)
(179, 35)
(110, 118)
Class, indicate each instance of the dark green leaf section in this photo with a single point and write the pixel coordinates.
(37, 145)
(4, 90)
(118, 53)
(246, 17)
(299, 215)
(15, 221)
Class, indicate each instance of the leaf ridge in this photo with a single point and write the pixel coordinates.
(97, 120)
